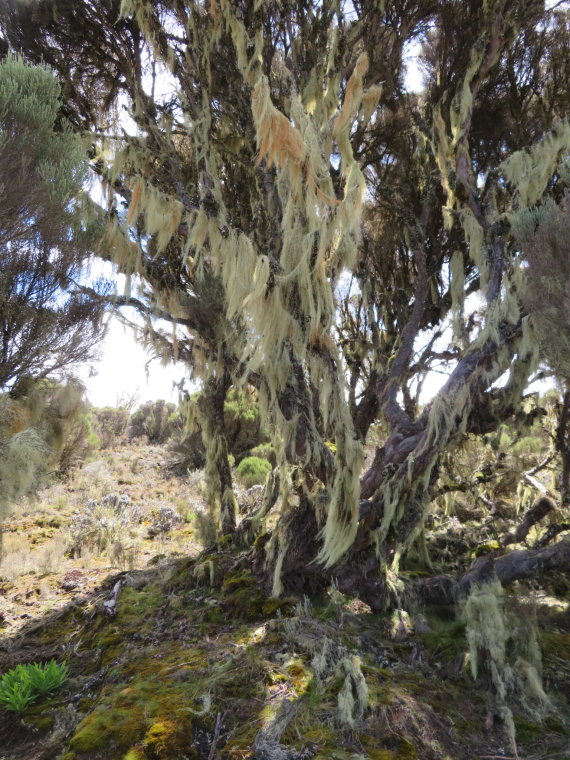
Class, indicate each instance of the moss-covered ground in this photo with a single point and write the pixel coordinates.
(186, 670)
(199, 664)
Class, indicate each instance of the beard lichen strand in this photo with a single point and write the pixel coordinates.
(440, 148)
(352, 101)
(125, 253)
(475, 238)
(457, 271)
(529, 171)
(462, 102)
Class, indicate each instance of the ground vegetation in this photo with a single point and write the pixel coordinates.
(173, 651)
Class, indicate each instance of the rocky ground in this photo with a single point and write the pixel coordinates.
(175, 653)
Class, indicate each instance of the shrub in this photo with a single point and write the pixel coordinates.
(155, 419)
(253, 471)
(243, 424)
(163, 520)
(265, 451)
(109, 424)
(186, 453)
(25, 683)
(100, 525)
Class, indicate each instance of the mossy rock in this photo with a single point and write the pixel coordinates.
(136, 753)
(166, 739)
(234, 582)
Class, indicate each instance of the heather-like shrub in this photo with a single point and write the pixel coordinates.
(156, 419)
(253, 471)
(109, 424)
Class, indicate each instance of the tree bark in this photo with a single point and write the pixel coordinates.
(518, 565)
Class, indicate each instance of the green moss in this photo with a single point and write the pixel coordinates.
(273, 605)
(406, 751)
(246, 604)
(526, 731)
(445, 642)
(557, 644)
(225, 542)
(124, 727)
(165, 739)
(41, 722)
(136, 753)
(234, 582)
(261, 541)
(213, 615)
(84, 705)
(557, 727)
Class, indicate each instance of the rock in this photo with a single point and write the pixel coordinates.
(421, 624)
(72, 580)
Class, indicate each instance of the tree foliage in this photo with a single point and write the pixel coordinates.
(45, 329)
(43, 242)
(314, 230)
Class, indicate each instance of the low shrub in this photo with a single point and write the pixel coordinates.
(253, 471)
(100, 525)
(265, 451)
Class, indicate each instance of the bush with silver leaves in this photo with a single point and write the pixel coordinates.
(101, 524)
(163, 520)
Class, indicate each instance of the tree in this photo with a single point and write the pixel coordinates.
(276, 150)
(45, 330)
(43, 242)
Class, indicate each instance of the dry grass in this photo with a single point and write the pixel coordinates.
(37, 538)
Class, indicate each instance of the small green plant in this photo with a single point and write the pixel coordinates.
(23, 684)
(16, 690)
(47, 677)
(253, 471)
